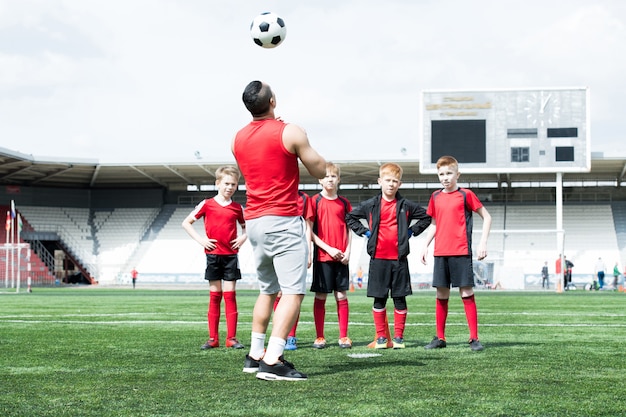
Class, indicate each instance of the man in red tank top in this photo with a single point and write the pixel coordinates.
(267, 152)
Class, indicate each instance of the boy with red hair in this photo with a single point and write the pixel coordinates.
(451, 209)
(391, 221)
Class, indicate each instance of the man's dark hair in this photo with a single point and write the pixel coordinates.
(257, 97)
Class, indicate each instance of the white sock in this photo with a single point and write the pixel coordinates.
(257, 345)
(275, 348)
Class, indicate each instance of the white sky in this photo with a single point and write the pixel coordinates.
(158, 80)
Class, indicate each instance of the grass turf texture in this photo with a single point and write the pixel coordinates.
(117, 352)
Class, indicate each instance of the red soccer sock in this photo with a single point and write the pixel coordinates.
(231, 313)
(381, 323)
(342, 316)
(399, 322)
(213, 314)
(471, 313)
(276, 300)
(441, 315)
(319, 315)
(292, 332)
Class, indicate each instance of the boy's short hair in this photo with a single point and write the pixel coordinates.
(447, 160)
(221, 172)
(390, 168)
(333, 168)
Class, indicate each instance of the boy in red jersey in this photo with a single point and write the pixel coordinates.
(304, 206)
(451, 209)
(333, 240)
(221, 244)
(391, 220)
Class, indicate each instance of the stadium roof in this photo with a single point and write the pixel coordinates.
(26, 170)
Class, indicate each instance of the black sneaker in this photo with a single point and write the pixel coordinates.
(436, 343)
(475, 345)
(280, 371)
(250, 365)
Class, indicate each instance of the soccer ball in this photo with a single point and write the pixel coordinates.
(268, 30)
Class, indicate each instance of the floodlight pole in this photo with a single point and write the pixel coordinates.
(559, 228)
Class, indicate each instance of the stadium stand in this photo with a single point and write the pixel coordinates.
(100, 221)
(40, 272)
(100, 240)
(115, 240)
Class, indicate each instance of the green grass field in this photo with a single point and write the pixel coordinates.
(118, 352)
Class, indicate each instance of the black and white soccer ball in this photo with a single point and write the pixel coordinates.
(268, 30)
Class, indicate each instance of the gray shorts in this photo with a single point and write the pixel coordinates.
(280, 253)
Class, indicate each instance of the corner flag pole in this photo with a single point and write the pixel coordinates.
(18, 244)
(13, 251)
(6, 252)
(560, 285)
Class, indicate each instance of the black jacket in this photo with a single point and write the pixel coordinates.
(406, 213)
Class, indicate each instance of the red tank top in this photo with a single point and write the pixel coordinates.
(270, 171)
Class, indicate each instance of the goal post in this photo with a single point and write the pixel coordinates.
(516, 257)
(15, 265)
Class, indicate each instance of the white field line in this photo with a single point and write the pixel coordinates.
(301, 322)
(352, 314)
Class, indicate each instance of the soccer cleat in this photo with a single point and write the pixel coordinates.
(382, 343)
(210, 344)
(250, 365)
(436, 343)
(291, 343)
(280, 371)
(398, 343)
(372, 345)
(345, 343)
(475, 345)
(320, 343)
(233, 343)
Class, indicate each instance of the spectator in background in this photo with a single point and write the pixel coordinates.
(600, 270)
(359, 277)
(567, 272)
(615, 275)
(545, 283)
(560, 273)
(133, 276)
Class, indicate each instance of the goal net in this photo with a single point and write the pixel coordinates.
(15, 266)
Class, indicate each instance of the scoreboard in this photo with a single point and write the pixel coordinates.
(507, 131)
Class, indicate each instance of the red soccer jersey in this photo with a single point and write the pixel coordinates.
(304, 206)
(330, 223)
(452, 213)
(387, 243)
(558, 265)
(220, 222)
(271, 172)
